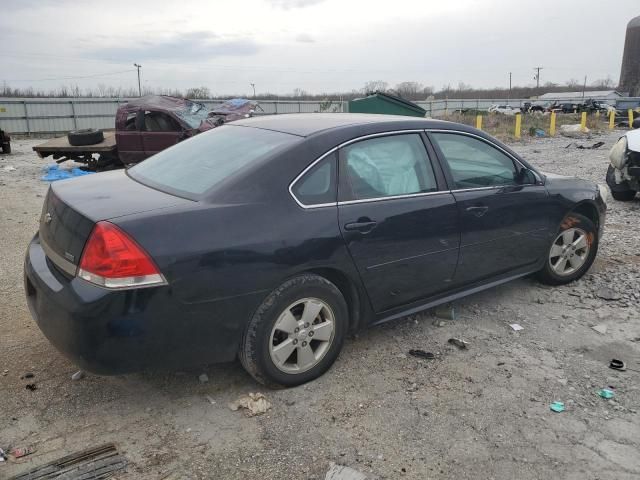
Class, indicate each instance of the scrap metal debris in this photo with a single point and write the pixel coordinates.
(516, 327)
(93, 464)
(31, 387)
(601, 328)
(620, 366)
(586, 147)
(458, 342)
(422, 354)
(617, 365)
(557, 407)
(79, 375)
(254, 403)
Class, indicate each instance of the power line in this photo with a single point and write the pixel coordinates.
(72, 78)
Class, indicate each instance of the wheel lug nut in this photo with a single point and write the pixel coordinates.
(296, 330)
(311, 333)
(304, 344)
(295, 341)
(306, 325)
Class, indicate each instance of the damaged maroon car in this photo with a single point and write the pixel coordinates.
(150, 124)
(143, 127)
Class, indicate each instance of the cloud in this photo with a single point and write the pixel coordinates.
(305, 38)
(291, 4)
(187, 46)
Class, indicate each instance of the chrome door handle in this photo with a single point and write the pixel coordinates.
(478, 211)
(362, 227)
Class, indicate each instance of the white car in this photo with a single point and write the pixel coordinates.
(623, 175)
(504, 109)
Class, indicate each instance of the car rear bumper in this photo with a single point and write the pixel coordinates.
(111, 332)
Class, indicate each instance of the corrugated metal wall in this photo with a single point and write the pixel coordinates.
(53, 115)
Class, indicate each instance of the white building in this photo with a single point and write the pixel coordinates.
(608, 95)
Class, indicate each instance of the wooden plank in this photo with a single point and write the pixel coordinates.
(61, 145)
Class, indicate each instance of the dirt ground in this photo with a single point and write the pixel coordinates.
(480, 413)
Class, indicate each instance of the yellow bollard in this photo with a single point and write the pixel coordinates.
(552, 126)
(479, 122)
(518, 125)
(630, 118)
(612, 119)
(583, 121)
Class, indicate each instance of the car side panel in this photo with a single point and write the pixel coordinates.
(237, 254)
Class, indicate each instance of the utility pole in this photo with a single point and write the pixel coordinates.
(509, 85)
(584, 87)
(254, 89)
(537, 77)
(139, 87)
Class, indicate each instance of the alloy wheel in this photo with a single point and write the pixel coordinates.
(569, 252)
(302, 335)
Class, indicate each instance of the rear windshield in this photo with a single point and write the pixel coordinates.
(193, 167)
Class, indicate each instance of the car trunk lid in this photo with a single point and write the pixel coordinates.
(72, 207)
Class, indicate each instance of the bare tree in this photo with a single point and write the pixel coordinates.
(573, 83)
(375, 86)
(604, 83)
(410, 90)
(198, 93)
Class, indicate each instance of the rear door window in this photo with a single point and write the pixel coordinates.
(389, 166)
(193, 167)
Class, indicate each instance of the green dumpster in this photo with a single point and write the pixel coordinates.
(386, 104)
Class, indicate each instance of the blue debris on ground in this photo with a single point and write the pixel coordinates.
(53, 172)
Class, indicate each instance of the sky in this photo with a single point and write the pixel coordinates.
(320, 46)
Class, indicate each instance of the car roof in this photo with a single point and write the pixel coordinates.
(307, 124)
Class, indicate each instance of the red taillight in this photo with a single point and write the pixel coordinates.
(112, 259)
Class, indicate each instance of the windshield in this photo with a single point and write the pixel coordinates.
(193, 114)
(193, 167)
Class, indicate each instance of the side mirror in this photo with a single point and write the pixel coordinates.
(525, 176)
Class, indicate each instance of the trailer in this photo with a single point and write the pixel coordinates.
(95, 156)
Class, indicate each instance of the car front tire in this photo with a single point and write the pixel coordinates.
(619, 191)
(572, 252)
(297, 332)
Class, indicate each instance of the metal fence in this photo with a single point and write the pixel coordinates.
(60, 115)
(53, 115)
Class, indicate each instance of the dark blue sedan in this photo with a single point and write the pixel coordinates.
(271, 238)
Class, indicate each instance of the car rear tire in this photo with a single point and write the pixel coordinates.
(572, 252)
(87, 136)
(619, 191)
(297, 332)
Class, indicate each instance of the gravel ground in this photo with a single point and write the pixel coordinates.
(469, 414)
